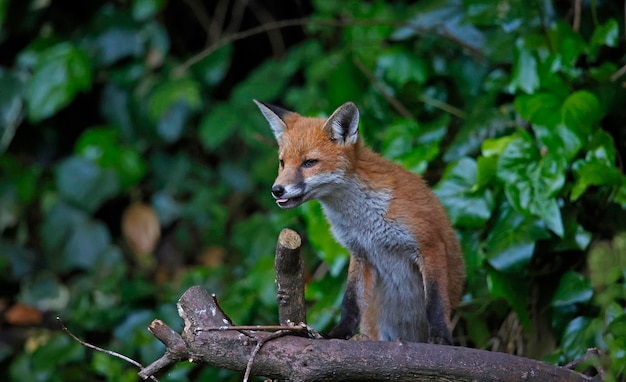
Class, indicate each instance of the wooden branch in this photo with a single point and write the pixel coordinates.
(209, 337)
(303, 359)
(289, 278)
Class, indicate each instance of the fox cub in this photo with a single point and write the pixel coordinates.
(406, 268)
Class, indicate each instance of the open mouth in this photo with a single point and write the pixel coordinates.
(290, 202)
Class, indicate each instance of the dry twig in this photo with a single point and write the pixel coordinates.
(105, 351)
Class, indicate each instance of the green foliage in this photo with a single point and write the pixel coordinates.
(512, 114)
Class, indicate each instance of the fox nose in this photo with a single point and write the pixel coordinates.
(278, 191)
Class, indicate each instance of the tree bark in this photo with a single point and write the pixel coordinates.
(289, 278)
(209, 337)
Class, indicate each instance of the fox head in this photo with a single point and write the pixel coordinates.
(314, 154)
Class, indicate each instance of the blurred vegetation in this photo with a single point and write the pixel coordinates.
(134, 165)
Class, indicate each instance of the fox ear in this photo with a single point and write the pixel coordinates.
(274, 116)
(343, 125)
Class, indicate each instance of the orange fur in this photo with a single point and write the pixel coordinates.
(406, 269)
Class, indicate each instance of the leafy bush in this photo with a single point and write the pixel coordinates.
(512, 112)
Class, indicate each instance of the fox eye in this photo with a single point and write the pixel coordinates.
(309, 163)
(281, 163)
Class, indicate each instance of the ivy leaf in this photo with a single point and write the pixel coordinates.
(214, 67)
(60, 73)
(217, 125)
(466, 208)
(511, 243)
(481, 124)
(511, 288)
(414, 146)
(333, 254)
(579, 335)
(86, 244)
(170, 104)
(399, 66)
(524, 75)
(102, 146)
(542, 108)
(581, 110)
(568, 46)
(606, 34)
(144, 9)
(531, 182)
(573, 288)
(595, 173)
(11, 104)
(82, 182)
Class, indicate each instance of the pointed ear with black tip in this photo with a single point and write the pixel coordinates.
(274, 116)
(343, 125)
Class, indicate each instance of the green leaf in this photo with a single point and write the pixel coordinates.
(57, 351)
(607, 262)
(578, 336)
(60, 73)
(217, 125)
(573, 288)
(82, 182)
(568, 45)
(85, 246)
(442, 18)
(113, 38)
(486, 168)
(170, 104)
(580, 112)
(545, 111)
(531, 182)
(541, 108)
(44, 291)
(524, 75)
(102, 146)
(495, 146)
(601, 149)
(474, 256)
(482, 123)
(214, 67)
(606, 34)
(267, 81)
(412, 145)
(11, 106)
(511, 288)
(595, 173)
(169, 92)
(511, 243)
(331, 252)
(399, 67)
(466, 208)
(144, 9)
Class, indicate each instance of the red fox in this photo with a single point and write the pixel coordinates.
(406, 267)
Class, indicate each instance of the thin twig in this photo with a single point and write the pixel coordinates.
(620, 72)
(591, 355)
(236, 16)
(105, 351)
(393, 101)
(294, 328)
(398, 106)
(219, 18)
(205, 21)
(443, 106)
(577, 12)
(257, 348)
(274, 36)
(182, 68)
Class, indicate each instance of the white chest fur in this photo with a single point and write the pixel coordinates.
(359, 221)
